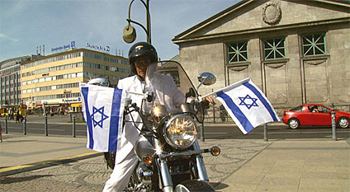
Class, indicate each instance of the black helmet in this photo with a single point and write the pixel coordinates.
(141, 49)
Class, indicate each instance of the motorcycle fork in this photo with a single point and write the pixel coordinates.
(167, 182)
(202, 172)
(155, 177)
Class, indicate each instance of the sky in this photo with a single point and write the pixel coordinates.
(28, 24)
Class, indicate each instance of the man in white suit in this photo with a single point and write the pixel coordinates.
(141, 55)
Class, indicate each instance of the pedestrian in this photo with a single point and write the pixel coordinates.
(61, 110)
(223, 113)
(10, 113)
(0, 132)
(17, 115)
(23, 115)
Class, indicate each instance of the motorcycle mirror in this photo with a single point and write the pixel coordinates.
(127, 101)
(206, 78)
(150, 97)
(101, 81)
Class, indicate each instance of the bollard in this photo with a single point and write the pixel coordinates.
(213, 114)
(70, 117)
(46, 133)
(265, 132)
(73, 131)
(202, 131)
(6, 126)
(25, 126)
(334, 125)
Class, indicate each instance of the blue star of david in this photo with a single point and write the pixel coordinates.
(103, 116)
(248, 104)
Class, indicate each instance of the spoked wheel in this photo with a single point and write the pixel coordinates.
(293, 123)
(343, 122)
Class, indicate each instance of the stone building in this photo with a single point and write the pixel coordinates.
(296, 51)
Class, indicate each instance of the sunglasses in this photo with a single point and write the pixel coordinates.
(142, 62)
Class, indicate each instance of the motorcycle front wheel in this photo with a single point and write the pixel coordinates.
(193, 185)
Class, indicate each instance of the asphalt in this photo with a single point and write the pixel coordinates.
(61, 163)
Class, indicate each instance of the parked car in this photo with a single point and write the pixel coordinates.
(314, 114)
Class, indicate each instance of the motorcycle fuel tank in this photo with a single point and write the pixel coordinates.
(143, 147)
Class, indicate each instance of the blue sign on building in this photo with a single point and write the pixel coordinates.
(63, 47)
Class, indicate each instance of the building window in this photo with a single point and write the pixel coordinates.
(237, 52)
(274, 48)
(314, 44)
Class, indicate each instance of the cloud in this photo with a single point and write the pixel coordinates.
(2, 36)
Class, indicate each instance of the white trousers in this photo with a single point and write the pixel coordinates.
(121, 174)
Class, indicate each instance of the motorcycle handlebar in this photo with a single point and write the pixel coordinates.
(215, 151)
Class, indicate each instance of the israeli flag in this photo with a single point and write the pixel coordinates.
(103, 113)
(247, 105)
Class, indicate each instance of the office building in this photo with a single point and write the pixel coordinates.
(52, 81)
(10, 81)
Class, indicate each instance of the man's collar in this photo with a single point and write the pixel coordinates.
(139, 78)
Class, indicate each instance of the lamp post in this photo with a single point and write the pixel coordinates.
(129, 33)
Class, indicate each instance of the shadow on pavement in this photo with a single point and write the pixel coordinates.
(216, 184)
(9, 180)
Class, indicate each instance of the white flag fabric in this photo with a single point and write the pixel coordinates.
(247, 105)
(103, 112)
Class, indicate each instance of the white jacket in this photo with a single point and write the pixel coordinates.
(167, 94)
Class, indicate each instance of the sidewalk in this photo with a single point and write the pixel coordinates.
(295, 165)
(20, 152)
(244, 165)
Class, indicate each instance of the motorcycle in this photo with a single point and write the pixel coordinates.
(170, 158)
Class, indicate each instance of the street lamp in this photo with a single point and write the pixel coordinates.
(129, 33)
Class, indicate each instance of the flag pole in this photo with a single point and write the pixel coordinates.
(238, 83)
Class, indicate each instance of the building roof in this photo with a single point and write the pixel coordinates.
(13, 61)
(75, 50)
(244, 6)
(176, 58)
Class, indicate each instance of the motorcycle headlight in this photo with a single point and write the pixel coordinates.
(180, 131)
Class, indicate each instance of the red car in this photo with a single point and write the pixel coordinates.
(314, 114)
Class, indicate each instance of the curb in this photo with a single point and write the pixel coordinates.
(43, 164)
